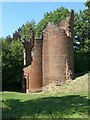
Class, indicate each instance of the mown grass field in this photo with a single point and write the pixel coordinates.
(67, 101)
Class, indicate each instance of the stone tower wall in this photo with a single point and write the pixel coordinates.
(58, 52)
(35, 76)
(57, 55)
(52, 56)
(37, 53)
(68, 25)
(45, 59)
(71, 39)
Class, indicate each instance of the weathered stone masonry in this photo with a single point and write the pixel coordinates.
(50, 58)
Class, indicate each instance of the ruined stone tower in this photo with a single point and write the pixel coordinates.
(52, 56)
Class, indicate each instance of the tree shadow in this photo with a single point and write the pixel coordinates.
(13, 86)
(48, 107)
(81, 74)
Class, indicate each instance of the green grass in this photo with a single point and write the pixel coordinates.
(67, 101)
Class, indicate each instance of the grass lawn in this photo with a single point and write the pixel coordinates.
(67, 101)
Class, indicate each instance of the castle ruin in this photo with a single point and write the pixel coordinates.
(50, 58)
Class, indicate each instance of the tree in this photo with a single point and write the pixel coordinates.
(12, 55)
(82, 30)
(82, 39)
(55, 16)
(12, 66)
(25, 29)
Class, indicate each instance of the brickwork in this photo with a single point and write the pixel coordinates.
(33, 73)
(52, 56)
(45, 59)
(36, 67)
(33, 77)
(37, 53)
(57, 54)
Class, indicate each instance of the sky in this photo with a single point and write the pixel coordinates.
(14, 14)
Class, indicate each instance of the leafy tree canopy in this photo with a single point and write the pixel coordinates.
(12, 65)
(55, 16)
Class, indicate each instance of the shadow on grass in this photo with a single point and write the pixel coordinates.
(81, 74)
(51, 107)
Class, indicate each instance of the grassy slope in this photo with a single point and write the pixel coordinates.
(68, 101)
